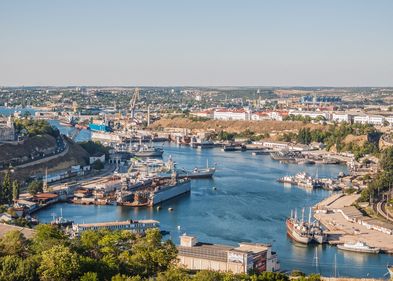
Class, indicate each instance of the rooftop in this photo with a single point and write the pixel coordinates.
(45, 196)
(116, 223)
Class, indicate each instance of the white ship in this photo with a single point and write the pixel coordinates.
(198, 173)
(359, 247)
(148, 151)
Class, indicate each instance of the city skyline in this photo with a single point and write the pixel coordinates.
(198, 43)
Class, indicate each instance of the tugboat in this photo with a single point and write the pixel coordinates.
(359, 247)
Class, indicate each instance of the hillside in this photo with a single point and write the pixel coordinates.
(37, 143)
(258, 127)
(76, 155)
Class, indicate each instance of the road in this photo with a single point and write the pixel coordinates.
(380, 207)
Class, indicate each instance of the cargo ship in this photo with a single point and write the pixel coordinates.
(359, 247)
(305, 232)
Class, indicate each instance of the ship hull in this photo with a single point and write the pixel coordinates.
(366, 251)
(297, 236)
(172, 192)
(149, 154)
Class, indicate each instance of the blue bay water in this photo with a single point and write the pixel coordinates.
(247, 205)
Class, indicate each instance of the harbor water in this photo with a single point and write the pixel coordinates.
(243, 202)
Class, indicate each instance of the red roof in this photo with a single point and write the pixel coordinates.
(45, 196)
(231, 110)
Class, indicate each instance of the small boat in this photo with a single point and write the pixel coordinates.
(359, 247)
(61, 221)
(170, 209)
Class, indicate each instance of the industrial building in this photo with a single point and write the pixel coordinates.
(246, 257)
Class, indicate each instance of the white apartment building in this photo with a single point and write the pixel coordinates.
(311, 114)
(342, 117)
(231, 114)
(269, 115)
(369, 119)
(277, 115)
(259, 116)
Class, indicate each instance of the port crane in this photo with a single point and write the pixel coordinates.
(133, 103)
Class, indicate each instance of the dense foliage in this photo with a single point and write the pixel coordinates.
(35, 127)
(101, 255)
(384, 178)
(334, 135)
(94, 147)
(34, 187)
(247, 134)
(51, 255)
(9, 189)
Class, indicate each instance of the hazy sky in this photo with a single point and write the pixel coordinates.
(196, 42)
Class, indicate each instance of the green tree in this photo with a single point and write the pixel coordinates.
(122, 277)
(173, 274)
(13, 243)
(98, 165)
(14, 268)
(59, 263)
(89, 276)
(35, 187)
(148, 255)
(7, 189)
(15, 190)
(206, 275)
(47, 236)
